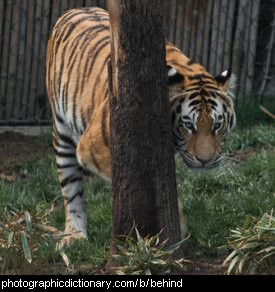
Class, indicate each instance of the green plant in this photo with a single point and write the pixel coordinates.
(146, 256)
(24, 235)
(253, 247)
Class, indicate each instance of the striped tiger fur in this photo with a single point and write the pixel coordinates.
(78, 52)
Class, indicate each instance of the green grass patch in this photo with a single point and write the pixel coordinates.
(256, 137)
(214, 203)
(219, 201)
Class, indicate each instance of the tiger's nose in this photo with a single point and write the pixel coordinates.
(204, 161)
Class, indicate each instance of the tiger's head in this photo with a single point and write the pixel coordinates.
(202, 114)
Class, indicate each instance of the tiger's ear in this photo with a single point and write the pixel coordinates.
(224, 80)
(174, 77)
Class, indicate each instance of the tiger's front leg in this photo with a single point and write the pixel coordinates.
(71, 179)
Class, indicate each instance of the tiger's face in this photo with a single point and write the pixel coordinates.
(202, 114)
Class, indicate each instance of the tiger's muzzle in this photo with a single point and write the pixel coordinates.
(196, 163)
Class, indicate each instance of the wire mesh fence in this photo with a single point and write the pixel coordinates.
(217, 33)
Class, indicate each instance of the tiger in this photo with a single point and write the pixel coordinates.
(78, 53)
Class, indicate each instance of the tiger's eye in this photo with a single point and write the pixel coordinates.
(217, 126)
(188, 125)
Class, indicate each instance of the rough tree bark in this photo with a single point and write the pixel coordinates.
(143, 166)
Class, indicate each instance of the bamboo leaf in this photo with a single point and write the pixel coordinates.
(140, 241)
(177, 245)
(250, 245)
(232, 265)
(241, 265)
(10, 238)
(266, 250)
(267, 256)
(26, 248)
(28, 221)
(65, 258)
(230, 257)
(158, 262)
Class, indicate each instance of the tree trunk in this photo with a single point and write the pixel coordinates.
(143, 166)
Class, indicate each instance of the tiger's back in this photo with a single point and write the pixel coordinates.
(77, 57)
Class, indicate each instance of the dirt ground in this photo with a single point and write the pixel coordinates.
(206, 267)
(15, 149)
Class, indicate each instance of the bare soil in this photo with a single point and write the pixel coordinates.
(15, 149)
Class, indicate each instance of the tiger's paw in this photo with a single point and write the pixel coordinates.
(69, 238)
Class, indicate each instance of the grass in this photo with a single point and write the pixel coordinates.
(220, 201)
(214, 203)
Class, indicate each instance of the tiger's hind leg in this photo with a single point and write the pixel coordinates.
(71, 179)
